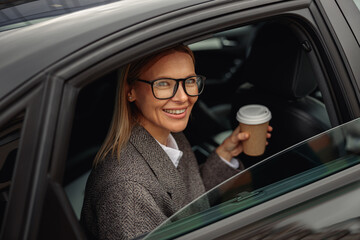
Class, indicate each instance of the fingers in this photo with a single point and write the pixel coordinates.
(236, 135)
(268, 135)
(243, 136)
(236, 131)
(239, 137)
(236, 151)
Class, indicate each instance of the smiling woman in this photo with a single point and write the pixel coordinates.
(146, 170)
(160, 117)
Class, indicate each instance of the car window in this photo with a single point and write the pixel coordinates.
(258, 63)
(305, 163)
(9, 143)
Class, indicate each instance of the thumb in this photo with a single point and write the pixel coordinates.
(243, 136)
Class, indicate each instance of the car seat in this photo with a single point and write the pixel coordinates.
(278, 74)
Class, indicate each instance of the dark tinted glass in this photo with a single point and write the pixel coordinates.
(9, 143)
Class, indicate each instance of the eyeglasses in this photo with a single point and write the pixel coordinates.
(165, 88)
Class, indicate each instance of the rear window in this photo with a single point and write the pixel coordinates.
(9, 143)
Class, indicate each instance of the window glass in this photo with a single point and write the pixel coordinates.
(332, 215)
(305, 163)
(9, 143)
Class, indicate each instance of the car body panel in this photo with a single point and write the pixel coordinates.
(345, 36)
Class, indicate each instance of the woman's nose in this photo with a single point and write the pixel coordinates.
(180, 94)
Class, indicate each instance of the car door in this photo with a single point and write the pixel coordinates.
(27, 127)
(86, 85)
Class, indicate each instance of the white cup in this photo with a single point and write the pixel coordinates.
(254, 119)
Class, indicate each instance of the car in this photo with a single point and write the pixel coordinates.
(297, 57)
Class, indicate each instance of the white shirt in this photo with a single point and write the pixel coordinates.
(172, 150)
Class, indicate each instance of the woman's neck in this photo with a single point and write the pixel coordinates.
(160, 134)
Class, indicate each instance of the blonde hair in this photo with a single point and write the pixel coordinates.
(126, 114)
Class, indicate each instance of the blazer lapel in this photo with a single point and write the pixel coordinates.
(160, 163)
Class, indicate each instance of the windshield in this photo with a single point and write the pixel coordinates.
(300, 165)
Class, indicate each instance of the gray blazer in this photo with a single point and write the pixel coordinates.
(130, 196)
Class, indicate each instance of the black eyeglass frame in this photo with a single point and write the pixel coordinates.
(176, 85)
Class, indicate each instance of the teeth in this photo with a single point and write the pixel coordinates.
(180, 111)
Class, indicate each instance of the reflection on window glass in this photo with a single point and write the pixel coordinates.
(303, 164)
(334, 215)
(9, 142)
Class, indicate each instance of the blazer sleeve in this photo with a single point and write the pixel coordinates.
(125, 211)
(214, 171)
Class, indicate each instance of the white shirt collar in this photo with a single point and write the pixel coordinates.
(172, 150)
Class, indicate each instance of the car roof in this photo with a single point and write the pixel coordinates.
(31, 49)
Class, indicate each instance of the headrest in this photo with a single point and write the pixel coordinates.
(278, 63)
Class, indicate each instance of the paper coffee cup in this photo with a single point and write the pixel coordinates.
(254, 119)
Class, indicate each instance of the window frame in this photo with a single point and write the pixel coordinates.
(344, 50)
(23, 191)
(352, 15)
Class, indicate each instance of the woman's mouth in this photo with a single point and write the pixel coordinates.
(175, 111)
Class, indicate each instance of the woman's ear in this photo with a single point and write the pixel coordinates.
(131, 95)
(130, 92)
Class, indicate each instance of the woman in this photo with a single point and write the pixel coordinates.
(146, 170)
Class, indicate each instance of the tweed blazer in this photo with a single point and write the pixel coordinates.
(130, 196)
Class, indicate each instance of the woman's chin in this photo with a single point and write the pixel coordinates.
(177, 127)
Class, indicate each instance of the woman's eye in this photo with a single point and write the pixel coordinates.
(162, 84)
(190, 81)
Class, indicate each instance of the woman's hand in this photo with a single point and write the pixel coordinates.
(232, 145)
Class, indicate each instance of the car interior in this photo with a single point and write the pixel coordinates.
(266, 63)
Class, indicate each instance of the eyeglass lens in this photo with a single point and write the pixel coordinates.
(165, 88)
